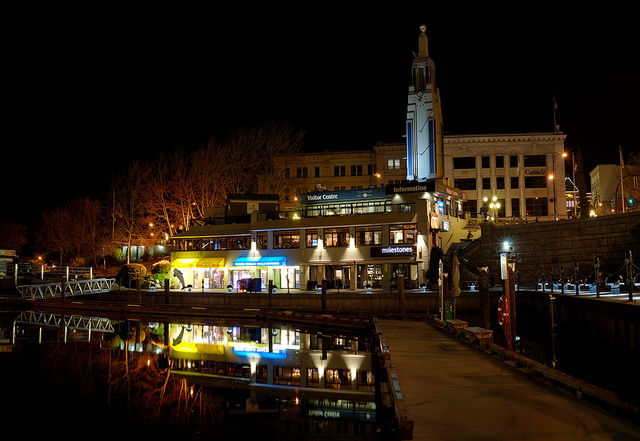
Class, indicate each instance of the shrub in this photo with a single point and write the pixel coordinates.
(131, 272)
(161, 270)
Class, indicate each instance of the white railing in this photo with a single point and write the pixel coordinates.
(68, 272)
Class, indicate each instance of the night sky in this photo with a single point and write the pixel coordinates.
(87, 93)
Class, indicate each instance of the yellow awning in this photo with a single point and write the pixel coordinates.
(211, 262)
(184, 263)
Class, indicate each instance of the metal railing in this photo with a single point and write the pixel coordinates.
(49, 271)
(625, 278)
(43, 291)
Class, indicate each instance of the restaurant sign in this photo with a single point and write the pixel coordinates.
(393, 251)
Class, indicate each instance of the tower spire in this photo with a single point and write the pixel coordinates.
(423, 43)
(424, 118)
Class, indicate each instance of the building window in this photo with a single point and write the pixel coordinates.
(406, 233)
(464, 162)
(312, 238)
(369, 235)
(499, 161)
(535, 182)
(336, 237)
(262, 373)
(500, 183)
(486, 162)
(371, 169)
(393, 164)
(353, 170)
(286, 239)
(299, 172)
(286, 375)
(263, 243)
(486, 183)
(515, 207)
(537, 207)
(471, 207)
(316, 172)
(515, 182)
(304, 172)
(535, 161)
(312, 377)
(465, 184)
(513, 161)
(218, 243)
(336, 170)
(337, 378)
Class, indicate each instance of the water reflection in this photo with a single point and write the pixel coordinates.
(220, 379)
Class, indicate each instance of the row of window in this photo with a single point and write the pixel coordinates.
(467, 162)
(333, 237)
(529, 182)
(341, 170)
(338, 170)
(339, 237)
(285, 375)
(534, 207)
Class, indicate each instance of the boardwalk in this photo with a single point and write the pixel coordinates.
(457, 392)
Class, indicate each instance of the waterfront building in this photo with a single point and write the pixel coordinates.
(352, 239)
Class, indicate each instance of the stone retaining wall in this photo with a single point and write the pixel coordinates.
(537, 245)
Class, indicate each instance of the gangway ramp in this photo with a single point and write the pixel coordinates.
(42, 291)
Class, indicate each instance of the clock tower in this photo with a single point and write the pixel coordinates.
(424, 118)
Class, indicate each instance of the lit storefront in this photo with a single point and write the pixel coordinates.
(265, 268)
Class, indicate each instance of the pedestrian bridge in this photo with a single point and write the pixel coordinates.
(96, 324)
(42, 291)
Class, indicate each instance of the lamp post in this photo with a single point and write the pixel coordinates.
(552, 177)
(494, 205)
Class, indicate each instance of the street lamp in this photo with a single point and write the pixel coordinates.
(495, 206)
(371, 178)
(552, 177)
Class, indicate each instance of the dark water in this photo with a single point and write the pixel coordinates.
(223, 379)
(580, 355)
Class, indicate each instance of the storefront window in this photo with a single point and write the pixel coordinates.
(406, 233)
(213, 278)
(369, 235)
(370, 275)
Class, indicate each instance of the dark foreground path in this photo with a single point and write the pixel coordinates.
(458, 392)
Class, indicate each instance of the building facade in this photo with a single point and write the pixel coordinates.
(350, 239)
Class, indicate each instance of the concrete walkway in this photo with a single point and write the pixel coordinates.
(458, 392)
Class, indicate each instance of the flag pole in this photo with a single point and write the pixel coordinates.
(555, 109)
(575, 188)
(621, 180)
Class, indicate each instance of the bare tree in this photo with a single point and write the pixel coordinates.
(281, 145)
(131, 203)
(13, 236)
(90, 229)
(53, 232)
